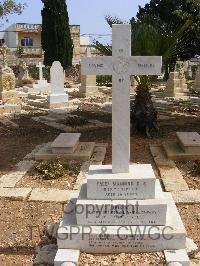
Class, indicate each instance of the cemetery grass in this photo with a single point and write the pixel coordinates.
(17, 216)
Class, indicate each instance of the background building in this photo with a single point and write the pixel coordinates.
(27, 38)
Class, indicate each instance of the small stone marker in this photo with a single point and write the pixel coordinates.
(66, 256)
(189, 141)
(83, 151)
(58, 96)
(176, 86)
(186, 147)
(65, 143)
(178, 257)
(88, 82)
(121, 66)
(40, 66)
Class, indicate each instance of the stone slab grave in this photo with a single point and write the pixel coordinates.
(88, 86)
(58, 97)
(65, 143)
(66, 146)
(10, 109)
(176, 86)
(186, 147)
(121, 208)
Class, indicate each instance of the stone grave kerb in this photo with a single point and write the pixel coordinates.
(121, 66)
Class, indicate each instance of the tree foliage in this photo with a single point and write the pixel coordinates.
(8, 7)
(56, 37)
(168, 14)
(151, 40)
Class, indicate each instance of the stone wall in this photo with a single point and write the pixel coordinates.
(75, 34)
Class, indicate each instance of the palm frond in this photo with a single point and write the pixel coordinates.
(102, 49)
(113, 20)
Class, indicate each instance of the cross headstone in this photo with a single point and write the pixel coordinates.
(121, 66)
(40, 66)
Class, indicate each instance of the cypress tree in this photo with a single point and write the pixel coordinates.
(56, 37)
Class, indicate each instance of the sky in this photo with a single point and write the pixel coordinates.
(89, 14)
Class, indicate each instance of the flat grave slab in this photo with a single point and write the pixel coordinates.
(15, 193)
(139, 183)
(171, 177)
(189, 142)
(189, 138)
(66, 256)
(65, 143)
(84, 151)
(121, 212)
(49, 195)
(179, 256)
(186, 197)
(176, 153)
(130, 239)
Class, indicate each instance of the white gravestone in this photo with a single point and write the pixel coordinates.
(121, 66)
(119, 201)
(58, 95)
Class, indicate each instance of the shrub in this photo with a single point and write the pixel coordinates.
(104, 81)
(34, 72)
(27, 81)
(51, 169)
(197, 167)
(20, 52)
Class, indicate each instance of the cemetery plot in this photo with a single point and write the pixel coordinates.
(57, 174)
(96, 115)
(186, 147)
(191, 173)
(37, 133)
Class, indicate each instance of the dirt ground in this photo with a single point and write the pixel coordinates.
(189, 174)
(21, 223)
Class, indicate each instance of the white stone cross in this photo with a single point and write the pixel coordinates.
(40, 66)
(121, 66)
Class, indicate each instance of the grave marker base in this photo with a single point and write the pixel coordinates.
(128, 239)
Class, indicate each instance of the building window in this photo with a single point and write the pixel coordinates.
(27, 41)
